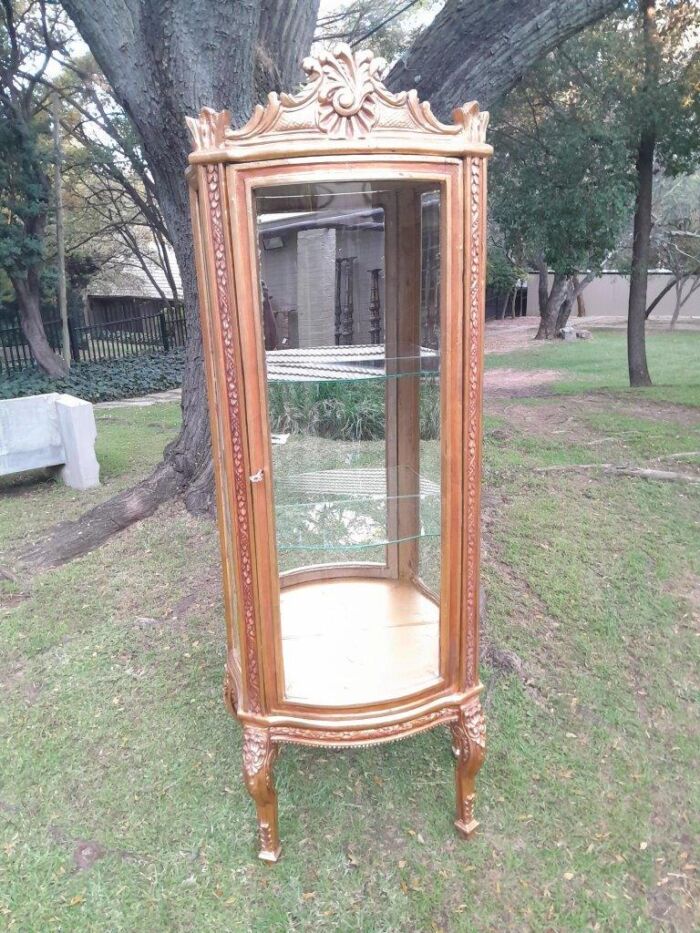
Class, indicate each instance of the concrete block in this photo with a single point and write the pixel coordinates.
(49, 430)
(78, 432)
(30, 436)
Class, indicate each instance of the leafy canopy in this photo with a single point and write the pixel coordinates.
(566, 138)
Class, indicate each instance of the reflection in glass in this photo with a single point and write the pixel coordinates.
(350, 305)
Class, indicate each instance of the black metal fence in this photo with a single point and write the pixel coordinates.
(155, 332)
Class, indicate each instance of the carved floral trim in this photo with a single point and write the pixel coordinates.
(470, 729)
(256, 748)
(243, 542)
(347, 96)
(475, 261)
(367, 736)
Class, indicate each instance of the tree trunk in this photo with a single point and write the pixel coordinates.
(547, 329)
(564, 312)
(148, 57)
(27, 290)
(166, 61)
(636, 320)
(542, 284)
(576, 287)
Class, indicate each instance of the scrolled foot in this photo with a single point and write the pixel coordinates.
(259, 754)
(469, 746)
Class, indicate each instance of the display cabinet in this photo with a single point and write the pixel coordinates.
(340, 239)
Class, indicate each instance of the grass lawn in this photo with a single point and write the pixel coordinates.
(601, 363)
(121, 801)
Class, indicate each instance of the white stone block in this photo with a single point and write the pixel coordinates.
(49, 430)
(78, 432)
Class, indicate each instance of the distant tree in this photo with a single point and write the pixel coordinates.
(29, 33)
(503, 275)
(388, 27)
(560, 178)
(662, 97)
(675, 240)
(578, 144)
(113, 199)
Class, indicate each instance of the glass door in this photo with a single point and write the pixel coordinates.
(350, 302)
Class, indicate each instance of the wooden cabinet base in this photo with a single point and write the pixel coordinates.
(261, 746)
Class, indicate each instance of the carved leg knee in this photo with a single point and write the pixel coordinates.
(259, 754)
(469, 744)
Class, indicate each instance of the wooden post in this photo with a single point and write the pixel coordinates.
(402, 222)
(60, 242)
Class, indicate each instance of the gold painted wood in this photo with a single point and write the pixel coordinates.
(346, 126)
(347, 665)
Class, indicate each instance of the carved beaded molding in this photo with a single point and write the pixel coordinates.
(345, 105)
(473, 461)
(240, 474)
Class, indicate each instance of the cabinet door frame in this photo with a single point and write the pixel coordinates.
(241, 181)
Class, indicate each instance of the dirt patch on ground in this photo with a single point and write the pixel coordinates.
(506, 336)
(518, 383)
(638, 407)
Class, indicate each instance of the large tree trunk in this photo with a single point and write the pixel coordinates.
(27, 290)
(636, 317)
(167, 60)
(641, 242)
(548, 321)
(479, 49)
(542, 284)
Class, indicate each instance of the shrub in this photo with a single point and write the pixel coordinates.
(104, 381)
(347, 410)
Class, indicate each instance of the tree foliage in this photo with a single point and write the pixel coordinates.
(29, 35)
(566, 142)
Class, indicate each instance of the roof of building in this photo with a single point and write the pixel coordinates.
(125, 277)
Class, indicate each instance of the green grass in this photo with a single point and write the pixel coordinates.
(601, 363)
(113, 731)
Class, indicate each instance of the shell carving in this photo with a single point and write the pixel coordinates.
(347, 103)
(343, 101)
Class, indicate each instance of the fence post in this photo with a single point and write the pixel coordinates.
(73, 340)
(163, 330)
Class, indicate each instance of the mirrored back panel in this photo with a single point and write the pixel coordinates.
(350, 302)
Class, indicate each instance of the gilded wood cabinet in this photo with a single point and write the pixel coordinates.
(340, 239)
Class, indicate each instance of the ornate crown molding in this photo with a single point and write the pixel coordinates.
(343, 107)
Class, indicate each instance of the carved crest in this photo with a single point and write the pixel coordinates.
(345, 104)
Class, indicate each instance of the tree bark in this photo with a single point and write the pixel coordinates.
(636, 319)
(548, 320)
(27, 290)
(542, 284)
(575, 290)
(641, 240)
(478, 50)
(564, 312)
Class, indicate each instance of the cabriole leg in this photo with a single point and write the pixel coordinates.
(259, 754)
(469, 745)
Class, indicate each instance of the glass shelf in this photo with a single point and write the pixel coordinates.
(350, 509)
(343, 363)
